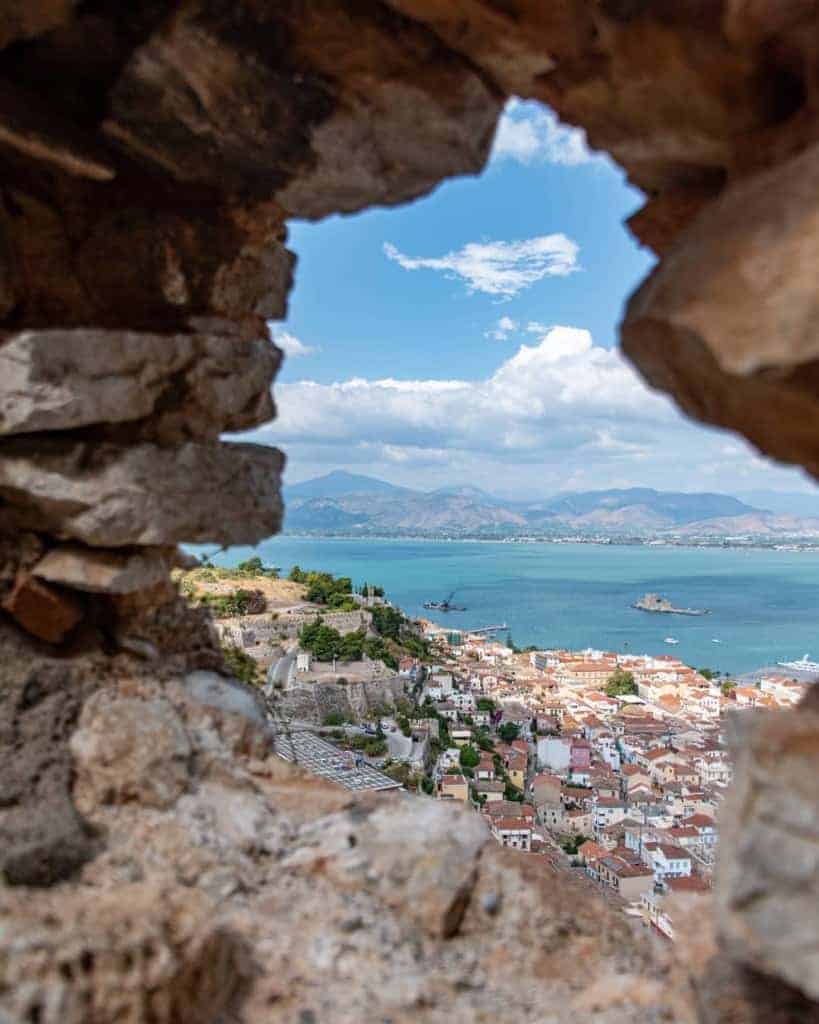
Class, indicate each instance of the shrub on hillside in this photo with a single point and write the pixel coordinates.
(241, 665)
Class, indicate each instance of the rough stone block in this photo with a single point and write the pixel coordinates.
(336, 99)
(129, 750)
(182, 385)
(41, 610)
(110, 495)
(741, 277)
(768, 871)
(104, 572)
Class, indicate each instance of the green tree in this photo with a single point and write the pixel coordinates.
(334, 718)
(727, 686)
(620, 683)
(511, 792)
(255, 567)
(509, 731)
(297, 575)
(483, 740)
(377, 650)
(706, 673)
(573, 843)
(388, 622)
(351, 646)
(404, 725)
(469, 756)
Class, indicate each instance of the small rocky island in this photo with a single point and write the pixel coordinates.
(656, 603)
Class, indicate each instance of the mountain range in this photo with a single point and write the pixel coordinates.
(353, 504)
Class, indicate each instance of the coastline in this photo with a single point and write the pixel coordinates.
(783, 548)
(762, 602)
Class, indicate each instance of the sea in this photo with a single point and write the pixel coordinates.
(763, 604)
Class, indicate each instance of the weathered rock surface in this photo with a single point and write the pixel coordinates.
(35, 132)
(313, 702)
(189, 385)
(344, 908)
(42, 836)
(41, 610)
(330, 104)
(138, 953)
(129, 750)
(733, 286)
(115, 495)
(212, 690)
(769, 856)
(104, 572)
(24, 18)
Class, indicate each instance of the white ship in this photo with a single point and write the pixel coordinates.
(671, 640)
(804, 664)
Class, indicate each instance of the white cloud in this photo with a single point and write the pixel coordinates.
(499, 268)
(529, 133)
(502, 329)
(559, 412)
(292, 346)
(557, 395)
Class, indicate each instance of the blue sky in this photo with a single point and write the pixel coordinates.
(471, 337)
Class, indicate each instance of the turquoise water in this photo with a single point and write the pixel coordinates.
(764, 604)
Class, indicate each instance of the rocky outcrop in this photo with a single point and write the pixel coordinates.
(769, 863)
(139, 952)
(289, 899)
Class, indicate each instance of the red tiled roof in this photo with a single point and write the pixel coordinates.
(512, 825)
(692, 883)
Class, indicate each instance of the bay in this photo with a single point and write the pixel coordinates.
(764, 604)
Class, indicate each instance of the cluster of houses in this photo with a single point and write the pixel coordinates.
(629, 786)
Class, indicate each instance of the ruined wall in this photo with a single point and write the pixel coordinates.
(150, 156)
(312, 702)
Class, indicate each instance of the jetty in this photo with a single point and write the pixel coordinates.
(662, 606)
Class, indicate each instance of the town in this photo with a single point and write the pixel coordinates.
(607, 766)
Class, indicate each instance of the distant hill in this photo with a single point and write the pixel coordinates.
(338, 484)
(469, 493)
(660, 507)
(350, 503)
(319, 515)
(795, 503)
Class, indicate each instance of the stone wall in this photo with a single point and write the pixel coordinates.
(151, 155)
(312, 702)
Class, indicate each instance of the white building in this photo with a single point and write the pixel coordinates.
(553, 752)
(670, 862)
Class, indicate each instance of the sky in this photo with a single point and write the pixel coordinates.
(470, 337)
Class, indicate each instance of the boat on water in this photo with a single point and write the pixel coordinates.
(715, 640)
(671, 640)
(804, 664)
(444, 606)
